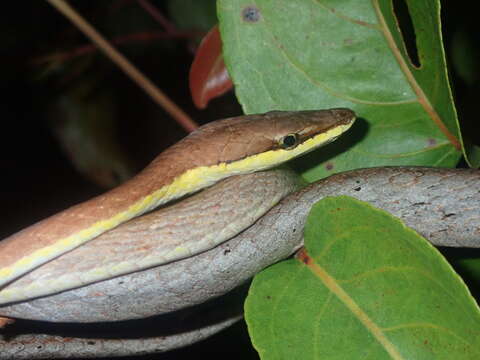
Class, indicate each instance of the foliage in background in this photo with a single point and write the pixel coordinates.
(309, 55)
(372, 292)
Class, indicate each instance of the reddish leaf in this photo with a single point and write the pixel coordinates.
(208, 76)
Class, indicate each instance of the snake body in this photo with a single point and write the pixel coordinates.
(215, 151)
(441, 204)
(205, 220)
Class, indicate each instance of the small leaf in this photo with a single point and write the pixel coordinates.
(366, 287)
(84, 123)
(193, 14)
(208, 75)
(469, 268)
(465, 55)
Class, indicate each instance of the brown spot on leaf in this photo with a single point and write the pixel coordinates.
(329, 166)
(302, 256)
(251, 14)
(431, 142)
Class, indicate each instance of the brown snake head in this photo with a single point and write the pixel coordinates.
(233, 139)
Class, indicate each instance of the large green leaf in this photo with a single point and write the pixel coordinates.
(306, 54)
(366, 287)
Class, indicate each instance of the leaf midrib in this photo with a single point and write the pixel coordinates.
(354, 308)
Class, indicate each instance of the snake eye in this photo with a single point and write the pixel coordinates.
(289, 141)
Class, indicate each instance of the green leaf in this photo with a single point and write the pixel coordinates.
(473, 152)
(469, 267)
(367, 287)
(465, 55)
(305, 54)
(193, 14)
(83, 119)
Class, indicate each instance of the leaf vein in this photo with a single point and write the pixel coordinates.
(347, 18)
(332, 284)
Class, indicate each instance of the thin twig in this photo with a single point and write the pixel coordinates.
(123, 63)
(121, 40)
